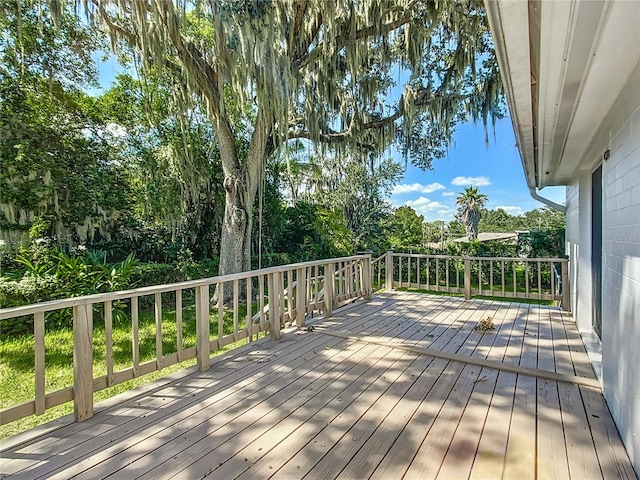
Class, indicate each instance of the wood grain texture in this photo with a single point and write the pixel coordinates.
(394, 387)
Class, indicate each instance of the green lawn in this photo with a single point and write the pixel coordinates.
(17, 358)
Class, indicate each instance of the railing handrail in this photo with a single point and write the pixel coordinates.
(472, 281)
(50, 305)
(379, 258)
(293, 292)
(463, 257)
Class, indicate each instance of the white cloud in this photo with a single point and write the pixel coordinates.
(475, 181)
(417, 187)
(448, 194)
(424, 205)
(512, 210)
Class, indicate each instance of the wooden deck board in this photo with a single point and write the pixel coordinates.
(328, 407)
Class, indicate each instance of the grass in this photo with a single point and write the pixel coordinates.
(17, 358)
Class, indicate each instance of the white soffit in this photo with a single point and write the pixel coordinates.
(588, 49)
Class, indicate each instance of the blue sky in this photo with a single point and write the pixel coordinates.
(496, 170)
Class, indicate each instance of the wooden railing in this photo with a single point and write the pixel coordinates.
(282, 294)
(507, 277)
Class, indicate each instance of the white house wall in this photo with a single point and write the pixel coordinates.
(620, 134)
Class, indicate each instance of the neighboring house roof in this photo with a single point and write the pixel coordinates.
(564, 64)
(488, 237)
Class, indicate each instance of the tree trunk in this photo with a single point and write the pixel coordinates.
(241, 181)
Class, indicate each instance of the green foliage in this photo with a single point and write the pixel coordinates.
(484, 249)
(58, 177)
(50, 274)
(404, 229)
(546, 243)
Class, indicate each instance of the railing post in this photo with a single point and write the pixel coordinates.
(388, 271)
(203, 345)
(566, 288)
(328, 289)
(273, 280)
(368, 277)
(467, 279)
(301, 296)
(83, 362)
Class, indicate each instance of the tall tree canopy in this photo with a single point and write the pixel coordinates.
(56, 159)
(315, 70)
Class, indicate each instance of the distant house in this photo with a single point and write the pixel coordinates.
(491, 237)
(571, 71)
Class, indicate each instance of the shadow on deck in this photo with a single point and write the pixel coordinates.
(360, 397)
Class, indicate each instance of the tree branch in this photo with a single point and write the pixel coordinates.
(310, 57)
(130, 36)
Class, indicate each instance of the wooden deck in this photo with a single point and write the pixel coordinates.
(360, 397)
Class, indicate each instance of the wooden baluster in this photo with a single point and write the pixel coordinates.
(515, 282)
(353, 283)
(236, 306)
(328, 289)
(273, 281)
(249, 321)
(309, 290)
(263, 326)
(38, 333)
(83, 362)
(220, 315)
(437, 275)
(504, 290)
(428, 272)
(281, 294)
(179, 323)
(301, 288)
(108, 332)
(539, 280)
(491, 276)
(203, 326)
(467, 279)
(135, 336)
(317, 284)
(566, 291)
(388, 273)
(368, 277)
(479, 277)
(447, 276)
(526, 278)
(158, 314)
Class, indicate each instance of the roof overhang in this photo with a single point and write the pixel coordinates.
(563, 64)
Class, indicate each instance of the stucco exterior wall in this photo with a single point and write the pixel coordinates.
(620, 134)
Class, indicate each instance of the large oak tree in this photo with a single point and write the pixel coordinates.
(324, 71)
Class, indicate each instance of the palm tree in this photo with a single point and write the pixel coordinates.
(469, 204)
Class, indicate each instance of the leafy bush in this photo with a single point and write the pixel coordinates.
(55, 275)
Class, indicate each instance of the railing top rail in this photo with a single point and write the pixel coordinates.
(463, 257)
(12, 312)
(379, 258)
